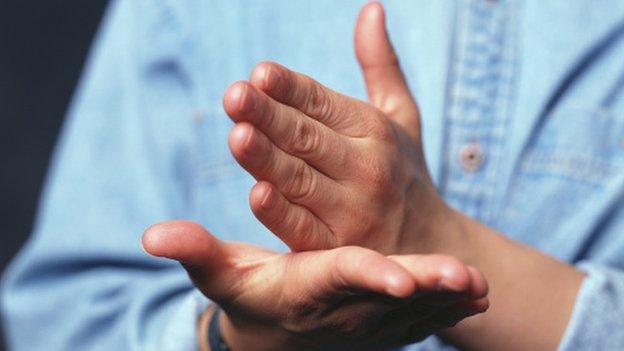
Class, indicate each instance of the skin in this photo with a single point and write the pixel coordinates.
(335, 171)
(314, 151)
(343, 298)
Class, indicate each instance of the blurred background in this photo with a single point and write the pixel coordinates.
(43, 45)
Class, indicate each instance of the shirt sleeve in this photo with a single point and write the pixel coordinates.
(123, 162)
(597, 320)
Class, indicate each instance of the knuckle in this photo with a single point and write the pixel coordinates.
(455, 270)
(307, 233)
(342, 155)
(344, 260)
(305, 140)
(304, 229)
(381, 128)
(379, 175)
(299, 315)
(269, 112)
(303, 183)
(272, 164)
(277, 219)
(349, 261)
(317, 101)
(364, 222)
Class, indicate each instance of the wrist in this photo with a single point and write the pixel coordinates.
(238, 339)
(446, 231)
(234, 337)
(204, 324)
(242, 336)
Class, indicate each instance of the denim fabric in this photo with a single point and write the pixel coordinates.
(523, 117)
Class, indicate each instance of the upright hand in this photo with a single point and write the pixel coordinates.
(333, 170)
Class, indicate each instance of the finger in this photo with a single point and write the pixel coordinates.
(206, 258)
(385, 83)
(422, 327)
(433, 301)
(288, 128)
(429, 313)
(479, 286)
(350, 268)
(412, 323)
(185, 241)
(480, 305)
(420, 308)
(451, 315)
(340, 113)
(295, 179)
(299, 228)
(434, 324)
(437, 272)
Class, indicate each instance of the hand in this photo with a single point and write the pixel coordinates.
(333, 170)
(336, 171)
(345, 298)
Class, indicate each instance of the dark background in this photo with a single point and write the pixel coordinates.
(43, 45)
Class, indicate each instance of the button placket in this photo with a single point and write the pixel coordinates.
(477, 118)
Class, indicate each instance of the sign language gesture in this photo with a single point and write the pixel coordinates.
(333, 170)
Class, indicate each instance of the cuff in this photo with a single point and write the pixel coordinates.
(597, 321)
(180, 332)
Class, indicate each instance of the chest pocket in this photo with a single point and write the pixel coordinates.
(578, 144)
(566, 179)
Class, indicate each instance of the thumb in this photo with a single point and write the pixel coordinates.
(385, 83)
(205, 257)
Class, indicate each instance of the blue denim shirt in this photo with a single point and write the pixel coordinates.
(523, 107)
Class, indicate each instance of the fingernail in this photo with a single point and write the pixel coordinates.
(268, 200)
(270, 78)
(247, 99)
(251, 143)
(453, 279)
(395, 287)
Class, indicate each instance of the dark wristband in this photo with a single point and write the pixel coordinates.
(215, 340)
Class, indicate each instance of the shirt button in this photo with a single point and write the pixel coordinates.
(471, 157)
